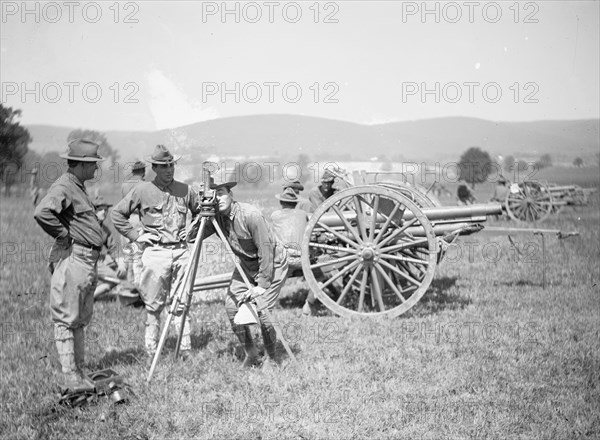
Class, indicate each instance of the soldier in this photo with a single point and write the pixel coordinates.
(163, 205)
(67, 214)
(133, 263)
(319, 194)
(500, 190)
(263, 262)
(465, 195)
(289, 224)
(302, 203)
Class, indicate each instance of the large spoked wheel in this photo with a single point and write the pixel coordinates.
(369, 251)
(529, 202)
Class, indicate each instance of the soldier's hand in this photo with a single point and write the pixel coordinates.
(254, 293)
(121, 269)
(63, 242)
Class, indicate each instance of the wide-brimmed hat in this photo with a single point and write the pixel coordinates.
(100, 202)
(219, 181)
(138, 165)
(83, 150)
(296, 184)
(162, 156)
(327, 177)
(287, 195)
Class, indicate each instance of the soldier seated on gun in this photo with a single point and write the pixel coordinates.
(465, 195)
(319, 194)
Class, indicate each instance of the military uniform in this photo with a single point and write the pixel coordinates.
(133, 263)
(67, 214)
(163, 212)
(263, 262)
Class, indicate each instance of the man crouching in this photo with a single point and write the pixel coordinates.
(262, 260)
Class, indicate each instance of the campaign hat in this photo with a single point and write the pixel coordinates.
(162, 156)
(287, 195)
(82, 150)
(296, 184)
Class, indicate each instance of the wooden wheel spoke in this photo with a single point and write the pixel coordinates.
(397, 232)
(404, 258)
(337, 234)
(374, 219)
(390, 283)
(360, 217)
(404, 245)
(332, 262)
(376, 290)
(341, 273)
(399, 272)
(363, 287)
(347, 225)
(387, 223)
(329, 247)
(349, 284)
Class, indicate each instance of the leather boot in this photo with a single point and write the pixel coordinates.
(72, 378)
(243, 334)
(270, 340)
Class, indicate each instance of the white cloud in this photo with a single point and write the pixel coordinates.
(170, 107)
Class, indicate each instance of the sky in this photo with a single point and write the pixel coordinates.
(157, 65)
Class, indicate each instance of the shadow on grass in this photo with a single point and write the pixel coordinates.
(437, 299)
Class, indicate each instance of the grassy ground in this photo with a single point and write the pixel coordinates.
(487, 353)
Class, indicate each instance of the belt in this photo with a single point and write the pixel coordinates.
(88, 246)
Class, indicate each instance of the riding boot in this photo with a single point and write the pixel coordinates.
(270, 340)
(243, 334)
(152, 332)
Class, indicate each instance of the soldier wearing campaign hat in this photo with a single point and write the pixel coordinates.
(319, 194)
(68, 215)
(163, 205)
(302, 203)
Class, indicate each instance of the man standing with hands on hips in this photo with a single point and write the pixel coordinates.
(163, 205)
(68, 215)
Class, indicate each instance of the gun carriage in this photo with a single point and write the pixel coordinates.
(372, 249)
(534, 201)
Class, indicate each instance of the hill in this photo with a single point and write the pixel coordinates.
(290, 135)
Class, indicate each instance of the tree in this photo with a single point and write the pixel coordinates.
(545, 161)
(578, 162)
(14, 142)
(475, 165)
(509, 163)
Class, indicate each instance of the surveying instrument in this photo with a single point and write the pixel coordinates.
(208, 209)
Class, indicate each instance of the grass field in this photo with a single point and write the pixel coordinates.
(486, 353)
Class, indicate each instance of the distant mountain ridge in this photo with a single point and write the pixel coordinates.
(290, 135)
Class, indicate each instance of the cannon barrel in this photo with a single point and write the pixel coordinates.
(441, 214)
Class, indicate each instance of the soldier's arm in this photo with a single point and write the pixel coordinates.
(262, 240)
(122, 211)
(46, 213)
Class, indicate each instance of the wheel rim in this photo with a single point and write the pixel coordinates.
(532, 203)
(369, 251)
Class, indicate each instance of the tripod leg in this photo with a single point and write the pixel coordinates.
(249, 286)
(189, 285)
(177, 298)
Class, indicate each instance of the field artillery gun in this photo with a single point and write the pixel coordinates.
(569, 195)
(372, 249)
(534, 201)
